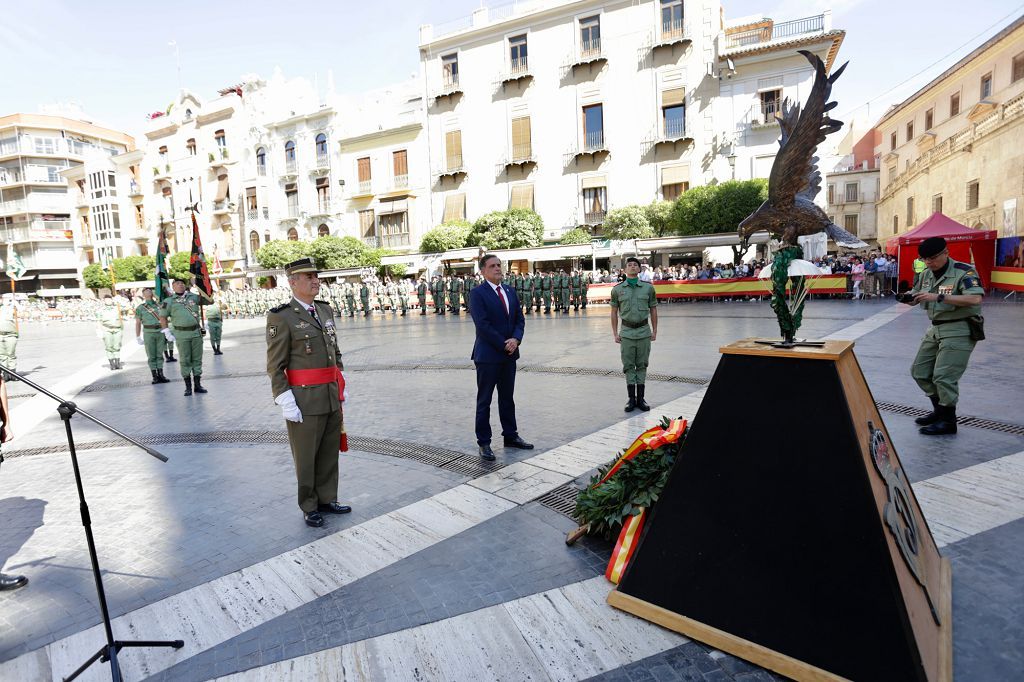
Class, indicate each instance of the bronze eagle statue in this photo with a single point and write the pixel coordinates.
(795, 180)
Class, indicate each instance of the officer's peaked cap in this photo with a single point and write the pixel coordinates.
(301, 265)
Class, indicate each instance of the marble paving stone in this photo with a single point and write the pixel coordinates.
(520, 482)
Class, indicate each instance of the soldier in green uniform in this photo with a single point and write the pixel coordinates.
(9, 336)
(951, 294)
(111, 330)
(421, 295)
(214, 325)
(184, 312)
(147, 331)
(527, 297)
(403, 296)
(439, 294)
(305, 366)
(586, 287)
(350, 299)
(364, 298)
(545, 289)
(467, 287)
(455, 295)
(576, 289)
(635, 302)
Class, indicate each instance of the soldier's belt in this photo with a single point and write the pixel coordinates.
(938, 322)
(190, 328)
(151, 326)
(634, 325)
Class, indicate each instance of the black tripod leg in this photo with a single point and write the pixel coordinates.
(175, 644)
(115, 672)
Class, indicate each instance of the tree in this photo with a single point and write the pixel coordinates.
(335, 253)
(579, 235)
(659, 215)
(95, 277)
(628, 222)
(279, 252)
(718, 209)
(512, 229)
(177, 266)
(450, 235)
(134, 268)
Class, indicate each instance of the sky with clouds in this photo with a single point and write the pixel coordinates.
(113, 59)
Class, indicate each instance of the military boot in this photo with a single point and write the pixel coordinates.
(117, 363)
(170, 356)
(631, 403)
(162, 379)
(640, 402)
(110, 361)
(188, 386)
(946, 423)
(932, 416)
(199, 386)
(156, 377)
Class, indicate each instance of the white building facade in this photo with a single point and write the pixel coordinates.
(38, 209)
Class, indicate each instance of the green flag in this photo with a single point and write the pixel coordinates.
(162, 284)
(15, 268)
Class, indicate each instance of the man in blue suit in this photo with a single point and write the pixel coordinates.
(499, 331)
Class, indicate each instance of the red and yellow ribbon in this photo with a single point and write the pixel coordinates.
(624, 548)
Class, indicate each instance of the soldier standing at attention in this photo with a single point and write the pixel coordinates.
(9, 336)
(364, 298)
(304, 365)
(183, 311)
(403, 295)
(634, 301)
(467, 287)
(214, 325)
(439, 295)
(455, 294)
(951, 294)
(545, 288)
(576, 289)
(586, 287)
(111, 331)
(147, 331)
(421, 295)
(350, 299)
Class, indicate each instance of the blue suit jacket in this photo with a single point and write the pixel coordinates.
(493, 325)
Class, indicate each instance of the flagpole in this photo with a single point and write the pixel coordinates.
(14, 306)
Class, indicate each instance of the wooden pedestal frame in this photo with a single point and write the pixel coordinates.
(933, 642)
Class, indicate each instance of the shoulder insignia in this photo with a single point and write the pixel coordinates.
(962, 266)
(279, 308)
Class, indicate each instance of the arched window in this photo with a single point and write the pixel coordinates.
(323, 231)
(321, 145)
(254, 242)
(261, 161)
(293, 235)
(289, 151)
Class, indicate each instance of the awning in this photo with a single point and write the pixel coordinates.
(148, 284)
(265, 273)
(522, 196)
(673, 97)
(594, 181)
(702, 241)
(344, 272)
(468, 253)
(546, 253)
(228, 275)
(673, 175)
(396, 206)
(454, 207)
(53, 293)
(222, 187)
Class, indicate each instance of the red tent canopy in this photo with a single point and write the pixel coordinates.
(965, 244)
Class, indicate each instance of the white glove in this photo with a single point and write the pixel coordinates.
(289, 409)
(138, 340)
(344, 393)
(168, 335)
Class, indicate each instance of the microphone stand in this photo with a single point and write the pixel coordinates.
(108, 652)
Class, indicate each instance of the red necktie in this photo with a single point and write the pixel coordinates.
(501, 297)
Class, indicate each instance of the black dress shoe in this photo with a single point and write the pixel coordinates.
(313, 519)
(12, 582)
(334, 508)
(519, 443)
(486, 453)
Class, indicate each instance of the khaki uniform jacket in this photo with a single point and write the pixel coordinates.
(958, 279)
(296, 341)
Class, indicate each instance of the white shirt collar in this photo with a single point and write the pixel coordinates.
(305, 306)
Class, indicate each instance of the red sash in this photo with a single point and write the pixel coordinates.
(315, 377)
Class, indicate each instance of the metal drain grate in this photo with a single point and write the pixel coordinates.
(471, 465)
(976, 422)
(562, 499)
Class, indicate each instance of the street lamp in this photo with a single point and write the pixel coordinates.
(732, 163)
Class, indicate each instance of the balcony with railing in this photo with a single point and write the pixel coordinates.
(592, 218)
(400, 183)
(12, 206)
(453, 166)
(449, 86)
(361, 189)
(257, 214)
(394, 241)
(261, 170)
(372, 241)
(769, 32)
(518, 69)
(134, 190)
(522, 155)
(764, 116)
(10, 176)
(292, 212)
(37, 231)
(290, 169)
(592, 144)
(671, 32)
(81, 201)
(219, 157)
(323, 163)
(162, 171)
(589, 52)
(672, 131)
(322, 208)
(222, 207)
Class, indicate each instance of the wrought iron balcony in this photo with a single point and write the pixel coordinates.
(323, 160)
(363, 188)
(290, 169)
(399, 182)
(589, 52)
(772, 32)
(372, 241)
(453, 166)
(449, 87)
(323, 207)
(672, 32)
(594, 217)
(518, 69)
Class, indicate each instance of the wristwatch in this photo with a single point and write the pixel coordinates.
(940, 298)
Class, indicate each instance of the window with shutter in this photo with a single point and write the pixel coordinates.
(522, 196)
(522, 147)
(454, 207)
(401, 168)
(366, 223)
(850, 223)
(453, 149)
(363, 169)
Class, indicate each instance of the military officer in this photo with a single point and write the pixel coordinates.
(455, 295)
(305, 366)
(563, 277)
(403, 296)
(545, 290)
(467, 287)
(214, 325)
(147, 331)
(951, 294)
(350, 299)
(421, 295)
(586, 287)
(364, 298)
(184, 312)
(111, 330)
(635, 302)
(9, 335)
(439, 294)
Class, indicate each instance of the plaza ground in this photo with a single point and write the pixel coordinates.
(445, 566)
